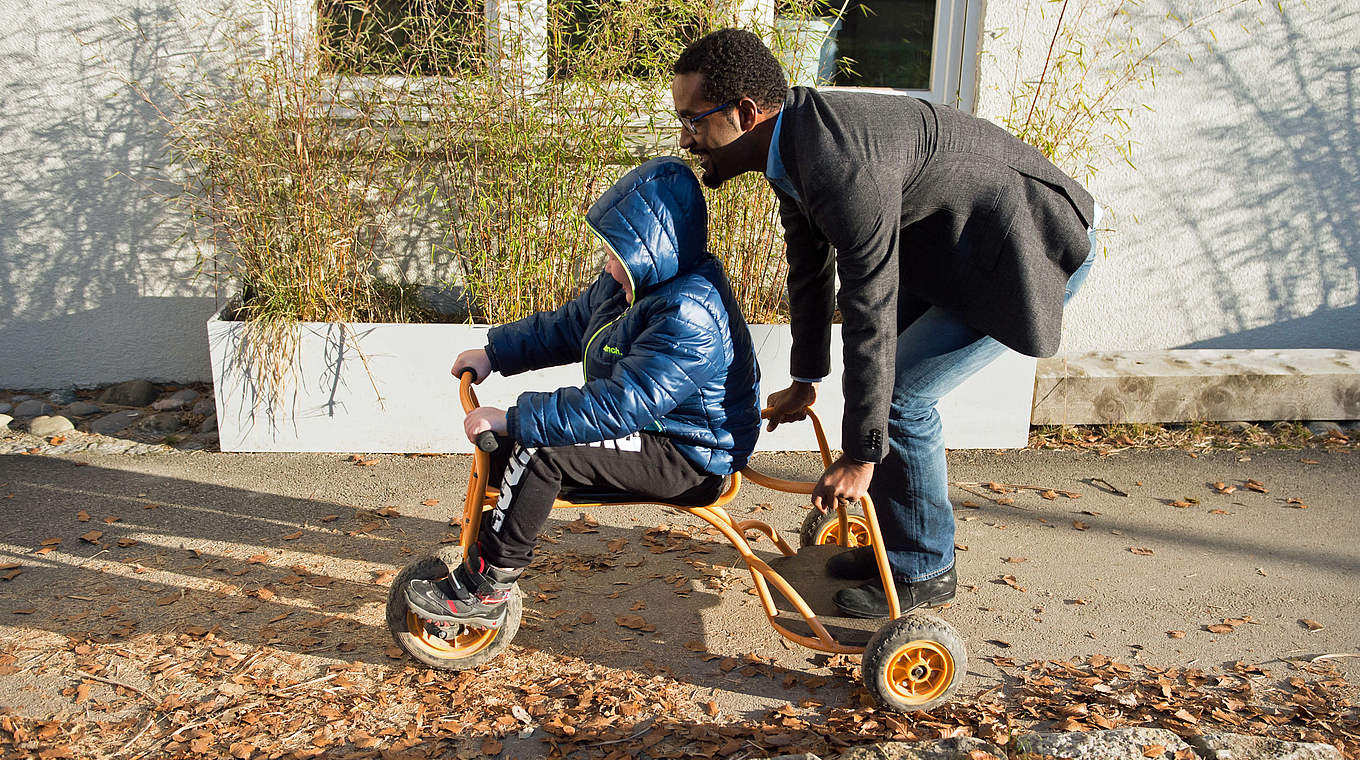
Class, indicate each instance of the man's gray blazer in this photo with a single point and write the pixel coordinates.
(923, 206)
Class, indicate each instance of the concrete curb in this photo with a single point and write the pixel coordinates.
(1197, 385)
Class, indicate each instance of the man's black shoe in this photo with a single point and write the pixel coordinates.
(869, 601)
(855, 564)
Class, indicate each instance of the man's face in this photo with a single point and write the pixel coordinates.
(716, 130)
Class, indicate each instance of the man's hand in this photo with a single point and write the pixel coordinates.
(474, 359)
(790, 404)
(844, 479)
(484, 418)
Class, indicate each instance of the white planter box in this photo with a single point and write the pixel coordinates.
(387, 388)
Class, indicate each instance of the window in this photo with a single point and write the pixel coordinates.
(925, 48)
(917, 47)
(411, 37)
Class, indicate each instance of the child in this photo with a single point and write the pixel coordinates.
(670, 404)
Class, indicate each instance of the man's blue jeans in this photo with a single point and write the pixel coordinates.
(910, 488)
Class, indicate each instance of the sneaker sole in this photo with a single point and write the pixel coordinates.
(866, 615)
(422, 609)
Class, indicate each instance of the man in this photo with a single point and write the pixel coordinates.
(952, 240)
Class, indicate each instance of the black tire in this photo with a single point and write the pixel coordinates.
(914, 663)
(824, 527)
(472, 647)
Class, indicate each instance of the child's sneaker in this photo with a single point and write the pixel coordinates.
(468, 597)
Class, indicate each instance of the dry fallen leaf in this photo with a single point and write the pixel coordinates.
(1218, 628)
(635, 622)
(1312, 625)
(1141, 551)
(1050, 494)
(1153, 750)
(1257, 486)
(1079, 525)
(430, 502)
(93, 536)
(1310, 461)
(293, 536)
(1175, 634)
(1295, 502)
(330, 518)
(83, 516)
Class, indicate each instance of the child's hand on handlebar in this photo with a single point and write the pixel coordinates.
(790, 404)
(484, 418)
(474, 359)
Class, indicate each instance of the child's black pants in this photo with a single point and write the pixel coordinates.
(643, 464)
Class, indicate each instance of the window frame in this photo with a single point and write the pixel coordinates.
(953, 77)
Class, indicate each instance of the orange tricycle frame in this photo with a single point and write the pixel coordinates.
(481, 495)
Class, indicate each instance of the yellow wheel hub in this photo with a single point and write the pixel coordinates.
(920, 671)
(859, 532)
(467, 642)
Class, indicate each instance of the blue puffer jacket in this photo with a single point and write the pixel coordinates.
(678, 361)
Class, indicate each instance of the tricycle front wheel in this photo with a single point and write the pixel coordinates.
(454, 648)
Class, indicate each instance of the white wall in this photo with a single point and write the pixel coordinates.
(93, 288)
(1240, 226)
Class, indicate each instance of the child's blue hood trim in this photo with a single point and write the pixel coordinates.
(655, 219)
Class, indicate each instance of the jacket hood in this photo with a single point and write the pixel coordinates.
(655, 219)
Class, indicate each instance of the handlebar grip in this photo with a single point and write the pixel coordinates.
(468, 371)
(486, 441)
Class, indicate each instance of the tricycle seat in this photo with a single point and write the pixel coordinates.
(697, 497)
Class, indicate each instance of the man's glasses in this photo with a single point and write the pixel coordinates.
(691, 123)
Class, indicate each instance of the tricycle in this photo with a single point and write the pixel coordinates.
(912, 662)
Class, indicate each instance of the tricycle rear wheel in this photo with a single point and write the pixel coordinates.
(825, 528)
(914, 663)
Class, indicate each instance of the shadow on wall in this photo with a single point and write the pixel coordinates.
(1324, 328)
(83, 241)
(158, 339)
(97, 282)
(1283, 268)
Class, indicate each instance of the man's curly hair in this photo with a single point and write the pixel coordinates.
(735, 64)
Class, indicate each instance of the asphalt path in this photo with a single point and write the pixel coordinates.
(1136, 555)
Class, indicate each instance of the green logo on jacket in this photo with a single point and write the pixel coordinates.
(612, 350)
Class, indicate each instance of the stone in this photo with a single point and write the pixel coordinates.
(33, 408)
(50, 425)
(1238, 426)
(958, 748)
(83, 409)
(130, 393)
(62, 396)
(1219, 746)
(178, 400)
(163, 423)
(1323, 428)
(209, 425)
(112, 423)
(5, 419)
(1119, 744)
(5, 407)
(205, 407)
